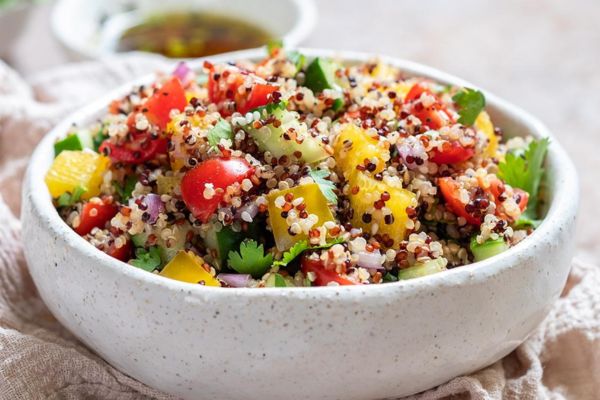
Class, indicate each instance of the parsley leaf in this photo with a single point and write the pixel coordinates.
(124, 191)
(148, 260)
(251, 259)
(470, 103)
(301, 246)
(68, 199)
(525, 171)
(325, 185)
(222, 130)
(292, 253)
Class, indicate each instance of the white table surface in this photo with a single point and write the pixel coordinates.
(543, 56)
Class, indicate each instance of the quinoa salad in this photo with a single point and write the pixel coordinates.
(292, 171)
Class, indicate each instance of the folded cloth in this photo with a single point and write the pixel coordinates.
(39, 359)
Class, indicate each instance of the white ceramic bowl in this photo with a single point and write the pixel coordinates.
(350, 342)
(88, 30)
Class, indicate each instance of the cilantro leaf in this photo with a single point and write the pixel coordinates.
(124, 191)
(301, 246)
(525, 171)
(222, 130)
(68, 199)
(251, 259)
(148, 260)
(470, 103)
(325, 185)
(292, 253)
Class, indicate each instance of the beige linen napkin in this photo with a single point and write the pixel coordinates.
(39, 359)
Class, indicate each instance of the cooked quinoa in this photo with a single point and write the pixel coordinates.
(295, 172)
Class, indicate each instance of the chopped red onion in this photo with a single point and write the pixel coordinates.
(409, 149)
(155, 206)
(247, 211)
(235, 280)
(370, 260)
(182, 71)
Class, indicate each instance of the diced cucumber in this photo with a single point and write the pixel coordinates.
(487, 249)
(166, 252)
(140, 239)
(269, 138)
(320, 75)
(166, 184)
(423, 268)
(277, 280)
(180, 235)
(74, 141)
(85, 136)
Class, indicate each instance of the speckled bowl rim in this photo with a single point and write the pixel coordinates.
(565, 197)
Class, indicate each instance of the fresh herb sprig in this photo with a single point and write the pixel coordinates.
(300, 247)
(126, 189)
(470, 103)
(148, 260)
(525, 171)
(250, 259)
(325, 185)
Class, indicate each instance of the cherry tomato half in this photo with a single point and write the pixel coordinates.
(259, 96)
(434, 116)
(451, 153)
(95, 215)
(498, 190)
(323, 274)
(170, 96)
(122, 253)
(451, 192)
(224, 83)
(221, 173)
(137, 151)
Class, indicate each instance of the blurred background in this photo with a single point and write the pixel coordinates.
(543, 56)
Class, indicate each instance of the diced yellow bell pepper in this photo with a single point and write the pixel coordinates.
(189, 95)
(353, 145)
(188, 267)
(402, 88)
(71, 169)
(166, 184)
(315, 203)
(178, 153)
(384, 71)
(365, 213)
(484, 124)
